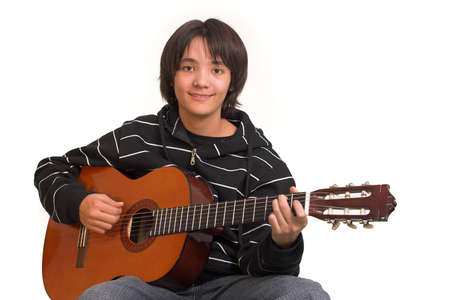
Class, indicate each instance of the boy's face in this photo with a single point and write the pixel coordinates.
(200, 83)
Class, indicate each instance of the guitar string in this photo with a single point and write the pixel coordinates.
(220, 213)
(240, 201)
(171, 212)
(197, 208)
(135, 227)
(212, 207)
(139, 219)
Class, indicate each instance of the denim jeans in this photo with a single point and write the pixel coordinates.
(226, 288)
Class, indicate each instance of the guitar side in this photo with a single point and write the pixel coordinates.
(69, 266)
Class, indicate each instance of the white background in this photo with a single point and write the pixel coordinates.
(347, 91)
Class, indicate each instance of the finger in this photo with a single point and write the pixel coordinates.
(108, 208)
(278, 214)
(274, 223)
(299, 210)
(106, 199)
(106, 218)
(100, 224)
(293, 189)
(302, 218)
(95, 225)
(96, 229)
(285, 208)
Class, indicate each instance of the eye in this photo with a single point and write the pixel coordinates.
(187, 68)
(218, 71)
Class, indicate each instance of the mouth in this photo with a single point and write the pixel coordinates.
(200, 97)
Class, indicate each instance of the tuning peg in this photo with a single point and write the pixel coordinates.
(367, 225)
(333, 186)
(336, 224)
(365, 183)
(351, 225)
(349, 185)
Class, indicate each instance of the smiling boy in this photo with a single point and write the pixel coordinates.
(203, 70)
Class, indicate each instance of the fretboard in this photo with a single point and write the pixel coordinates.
(205, 216)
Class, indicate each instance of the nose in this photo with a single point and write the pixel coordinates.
(201, 79)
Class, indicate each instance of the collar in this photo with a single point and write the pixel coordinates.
(245, 137)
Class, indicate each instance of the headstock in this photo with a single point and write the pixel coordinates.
(364, 204)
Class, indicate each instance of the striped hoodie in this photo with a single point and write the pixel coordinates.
(243, 165)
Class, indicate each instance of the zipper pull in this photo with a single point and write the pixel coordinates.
(194, 152)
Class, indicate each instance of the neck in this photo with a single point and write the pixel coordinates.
(212, 125)
(205, 216)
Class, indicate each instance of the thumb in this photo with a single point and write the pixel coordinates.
(112, 202)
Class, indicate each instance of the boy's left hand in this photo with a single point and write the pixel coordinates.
(285, 225)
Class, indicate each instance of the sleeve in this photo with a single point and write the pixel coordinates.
(258, 254)
(56, 177)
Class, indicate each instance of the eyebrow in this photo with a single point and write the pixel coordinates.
(214, 62)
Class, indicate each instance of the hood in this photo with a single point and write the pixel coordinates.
(244, 140)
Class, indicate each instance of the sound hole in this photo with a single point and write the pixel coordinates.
(140, 226)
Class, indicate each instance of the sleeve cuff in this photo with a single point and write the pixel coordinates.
(274, 256)
(72, 195)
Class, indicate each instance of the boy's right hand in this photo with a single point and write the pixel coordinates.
(99, 213)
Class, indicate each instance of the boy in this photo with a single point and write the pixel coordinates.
(203, 70)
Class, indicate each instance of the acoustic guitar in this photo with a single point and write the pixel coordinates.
(165, 231)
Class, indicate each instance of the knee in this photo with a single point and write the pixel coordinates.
(302, 288)
(101, 291)
(311, 290)
(111, 290)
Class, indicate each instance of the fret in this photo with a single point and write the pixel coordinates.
(187, 219)
(259, 214)
(165, 219)
(193, 217)
(265, 208)
(215, 217)
(207, 217)
(254, 208)
(152, 227)
(249, 211)
(175, 220)
(234, 209)
(292, 195)
(243, 211)
(224, 214)
(160, 222)
(181, 218)
(170, 220)
(307, 202)
(156, 221)
(200, 222)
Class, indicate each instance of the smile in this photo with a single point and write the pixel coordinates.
(200, 96)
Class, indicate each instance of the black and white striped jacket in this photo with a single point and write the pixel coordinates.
(154, 141)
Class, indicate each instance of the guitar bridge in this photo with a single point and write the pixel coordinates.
(82, 246)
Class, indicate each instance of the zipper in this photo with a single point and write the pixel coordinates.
(194, 152)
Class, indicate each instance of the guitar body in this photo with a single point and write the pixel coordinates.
(75, 259)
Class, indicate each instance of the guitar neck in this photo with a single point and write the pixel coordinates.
(206, 216)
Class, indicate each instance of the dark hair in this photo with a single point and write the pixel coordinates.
(222, 42)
